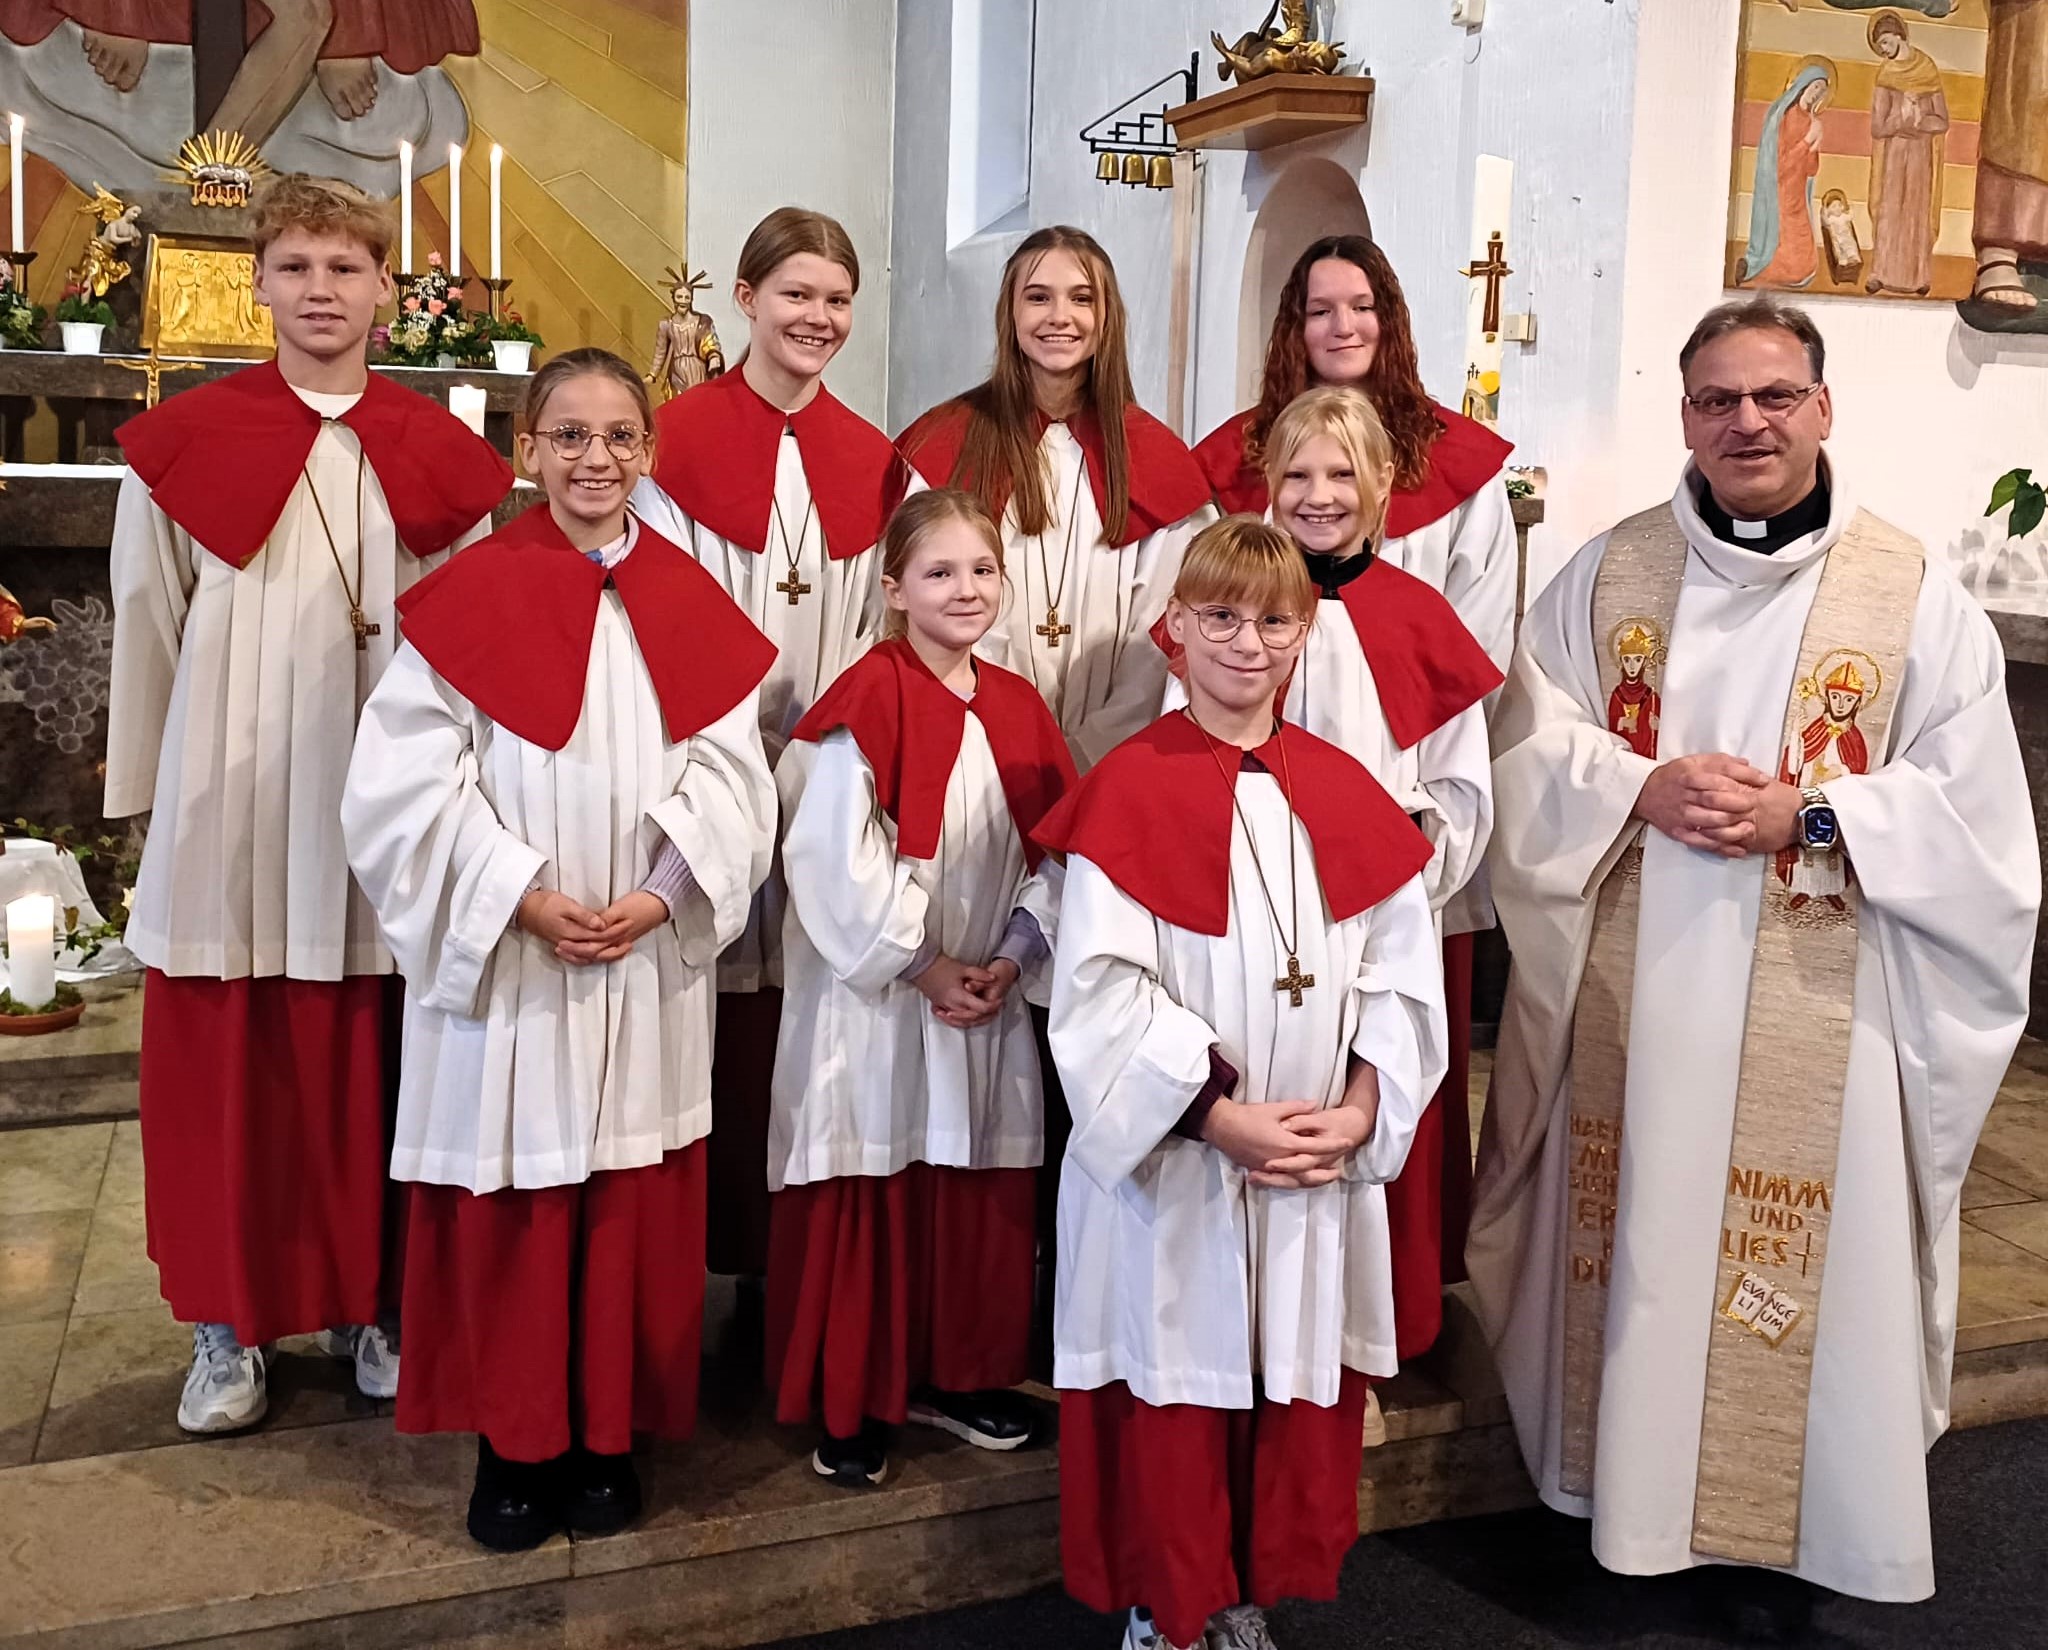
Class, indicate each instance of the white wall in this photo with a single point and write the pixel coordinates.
(1928, 412)
(792, 103)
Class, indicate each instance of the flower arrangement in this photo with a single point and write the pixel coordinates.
(68, 996)
(79, 305)
(431, 323)
(510, 328)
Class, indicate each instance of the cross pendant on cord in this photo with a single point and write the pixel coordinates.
(363, 629)
(793, 587)
(1052, 630)
(1294, 982)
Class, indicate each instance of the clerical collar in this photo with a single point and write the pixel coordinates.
(1333, 573)
(1810, 515)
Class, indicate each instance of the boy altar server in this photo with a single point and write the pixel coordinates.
(266, 526)
(560, 809)
(1248, 1019)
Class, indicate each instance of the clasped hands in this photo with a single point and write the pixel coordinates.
(1721, 805)
(963, 995)
(1292, 1144)
(581, 936)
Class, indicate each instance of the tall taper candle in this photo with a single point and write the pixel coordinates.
(32, 950)
(455, 210)
(16, 154)
(405, 209)
(497, 211)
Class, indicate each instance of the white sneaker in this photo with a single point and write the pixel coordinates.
(1239, 1627)
(1141, 1633)
(371, 1351)
(225, 1390)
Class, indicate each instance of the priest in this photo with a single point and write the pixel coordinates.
(1716, 1229)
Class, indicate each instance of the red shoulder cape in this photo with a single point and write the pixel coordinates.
(715, 452)
(1155, 816)
(1167, 485)
(1461, 461)
(508, 624)
(221, 461)
(908, 725)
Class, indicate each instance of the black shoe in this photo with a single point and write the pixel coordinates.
(604, 1492)
(999, 1420)
(1765, 1606)
(515, 1505)
(860, 1462)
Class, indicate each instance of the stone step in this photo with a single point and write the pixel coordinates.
(86, 1073)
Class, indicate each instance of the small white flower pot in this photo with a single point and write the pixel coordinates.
(513, 355)
(82, 337)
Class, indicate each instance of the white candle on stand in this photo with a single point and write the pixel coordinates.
(32, 950)
(405, 209)
(469, 403)
(497, 212)
(455, 210)
(16, 155)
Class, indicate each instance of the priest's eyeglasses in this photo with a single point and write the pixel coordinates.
(1276, 630)
(1773, 400)
(572, 441)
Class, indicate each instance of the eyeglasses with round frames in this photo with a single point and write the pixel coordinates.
(1773, 401)
(1276, 630)
(572, 441)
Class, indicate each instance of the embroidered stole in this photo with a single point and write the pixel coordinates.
(1780, 1181)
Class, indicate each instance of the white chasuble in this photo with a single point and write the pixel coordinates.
(867, 1078)
(232, 710)
(1077, 613)
(1940, 845)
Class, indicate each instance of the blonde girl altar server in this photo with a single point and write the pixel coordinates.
(1097, 498)
(266, 525)
(1247, 1012)
(1343, 320)
(908, 1122)
(560, 809)
(782, 492)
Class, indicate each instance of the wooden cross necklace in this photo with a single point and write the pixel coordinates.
(1052, 630)
(793, 587)
(361, 626)
(1294, 982)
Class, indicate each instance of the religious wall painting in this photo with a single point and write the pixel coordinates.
(1829, 746)
(1858, 155)
(588, 101)
(1635, 707)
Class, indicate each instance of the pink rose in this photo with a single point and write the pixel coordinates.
(412, 306)
(436, 307)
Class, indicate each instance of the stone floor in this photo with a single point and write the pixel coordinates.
(328, 1528)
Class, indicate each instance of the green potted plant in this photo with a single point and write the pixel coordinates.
(83, 320)
(512, 341)
(2026, 498)
(21, 322)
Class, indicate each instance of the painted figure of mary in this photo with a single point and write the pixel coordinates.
(1784, 244)
(1908, 120)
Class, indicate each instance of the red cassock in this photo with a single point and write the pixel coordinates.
(567, 1313)
(880, 1284)
(1430, 1205)
(265, 1103)
(409, 35)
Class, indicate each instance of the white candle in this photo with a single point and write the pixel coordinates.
(469, 403)
(32, 950)
(16, 155)
(497, 212)
(455, 210)
(405, 209)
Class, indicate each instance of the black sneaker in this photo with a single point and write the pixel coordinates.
(516, 1505)
(999, 1420)
(860, 1462)
(604, 1492)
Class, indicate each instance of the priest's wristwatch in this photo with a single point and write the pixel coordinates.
(1818, 830)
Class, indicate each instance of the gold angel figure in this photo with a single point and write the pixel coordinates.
(105, 263)
(1290, 49)
(686, 348)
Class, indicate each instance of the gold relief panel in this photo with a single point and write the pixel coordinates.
(201, 300)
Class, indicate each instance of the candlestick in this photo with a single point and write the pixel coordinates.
(20, 259)
(469, 403)
(455, 210)
(32, 950)
(405, 206)
(496, 299)
(497, 211)
(16, 154)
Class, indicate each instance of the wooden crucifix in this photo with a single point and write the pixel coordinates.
(1494, 272)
